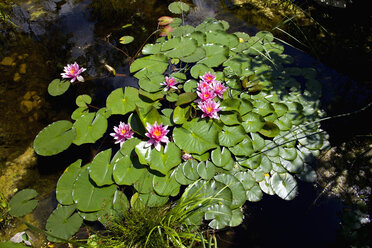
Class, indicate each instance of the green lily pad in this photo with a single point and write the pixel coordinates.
(252, 162)
(196, 136)
(166, 159)
(196, 56)
(122, 102)
(254, 194)
(63, 223)
(144, 183)
(58, 87)
(79, 112)
(152, 199)
(230, 118)
(83, 100)
(183, 30)
(190, 170)
(151, 83)
(266, 186)
(88, 196)
(180, 176)
(151, 49)
(23, 202)
(156, 63)
(199, 70)
(190, 85)
(54, 138)
(246, 179)
(126, 39)
(284, 185)
(221, 158)
(231, 135)
(127, 171)
(269, 130)
(100, 170)
(237, 189)
(179, 47)
(215, 55)
(181, 114)
(206, 170)
(166, 185)
(186, 98)
(178, 7)
(244, 148)
(222, 38)
(236, 218)
(220, 216)
(66, 182)
(89, 128)
(252, 122)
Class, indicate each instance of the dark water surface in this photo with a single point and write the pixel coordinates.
(51, 34)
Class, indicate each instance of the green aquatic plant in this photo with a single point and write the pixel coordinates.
(165, 226)
(254, 130)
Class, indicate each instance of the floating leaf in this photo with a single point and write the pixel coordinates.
(252, 122)
(181, 114)
(144, 183)
(236, 218)
(152, 199)
(127, 171)
(126, 39)
(122, 103)
(196, 136)
(166, 185)
(199, 70)
(156, 63)
(179, 47)
(215, 55)
(237, 189)
(23, 202)
(284, 185)
(231, 135)
(269, 130)
(206, 170)
(79, 112)
(89, 128)
(186, 98)
(220, 216)
(180, 176)
(190, 170)
(54, 138)
(178, 7)
(254, 194)
(230, 118)
(83, 100)
(244, 148)
(63, 223)
(66, 182)
(88, 196)
(151, 49)
(58, 87)
(166, 159)
(221, 158)
(100, 170)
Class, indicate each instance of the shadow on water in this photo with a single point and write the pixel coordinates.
(53, 33)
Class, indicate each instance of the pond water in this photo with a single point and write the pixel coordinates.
(52, 33)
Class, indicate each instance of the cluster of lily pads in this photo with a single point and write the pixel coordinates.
(265, 135)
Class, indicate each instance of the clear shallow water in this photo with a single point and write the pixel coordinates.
(58, 32)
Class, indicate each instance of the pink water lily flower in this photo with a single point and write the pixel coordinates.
(122, 133)
(170, 82)
(72, 71)
(156, 133)
(219, 88)
(202, 85)
(208, 77)
(209, 108)
(206, 94)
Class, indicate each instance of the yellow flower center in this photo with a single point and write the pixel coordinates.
(123, 131)
(209, 109)
(157, 132)
(206, 95)
(72, 71)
